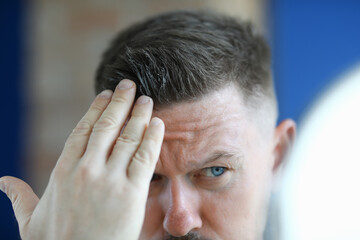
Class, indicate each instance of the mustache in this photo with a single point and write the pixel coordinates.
(189, 236)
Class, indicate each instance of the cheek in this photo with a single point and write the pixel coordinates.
(239, 209)
(228, 212)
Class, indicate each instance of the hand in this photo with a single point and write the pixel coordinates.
(99, 186)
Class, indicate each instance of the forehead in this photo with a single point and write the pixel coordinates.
(197, 131)
(220, 116)
(216, 108)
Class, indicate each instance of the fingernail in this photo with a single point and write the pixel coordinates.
(106, 94)
(125, 84)
(155, 121)
(143, 100)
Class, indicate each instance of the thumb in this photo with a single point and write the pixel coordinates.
(22, 197)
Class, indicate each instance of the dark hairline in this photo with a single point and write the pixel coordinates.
(252, 94)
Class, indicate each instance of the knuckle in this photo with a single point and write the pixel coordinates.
(127, 139)
(120, 99)
(142, 156)
(85, 173)
(82, 128)
(106, 122)
(98, 107)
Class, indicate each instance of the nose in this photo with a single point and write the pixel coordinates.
(181, 208)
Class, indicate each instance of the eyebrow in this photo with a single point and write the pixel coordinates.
(236, 158)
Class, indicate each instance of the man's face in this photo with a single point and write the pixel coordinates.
(214, 174)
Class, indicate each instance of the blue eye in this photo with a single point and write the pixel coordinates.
(214, 171)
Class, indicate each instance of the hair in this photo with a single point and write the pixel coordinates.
(184, 55)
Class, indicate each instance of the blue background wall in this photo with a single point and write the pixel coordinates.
(12, 105)
(313, 42)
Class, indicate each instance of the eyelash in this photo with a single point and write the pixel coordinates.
(203, 172)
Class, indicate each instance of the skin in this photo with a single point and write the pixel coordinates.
(104, 184)
(99, 186)
(185, 197)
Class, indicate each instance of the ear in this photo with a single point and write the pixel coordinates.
(283, 140)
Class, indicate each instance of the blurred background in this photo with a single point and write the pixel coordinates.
(50, 50)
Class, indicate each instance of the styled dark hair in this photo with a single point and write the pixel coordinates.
(183, 55)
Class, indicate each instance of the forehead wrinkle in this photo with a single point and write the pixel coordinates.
(198, 125)
(186, 133)
(192, 129)
(188, 145)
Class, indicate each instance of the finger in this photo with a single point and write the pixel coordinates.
(22, 197)
(129, 140)
(75, 145)
(142, 165)
(107, 128)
